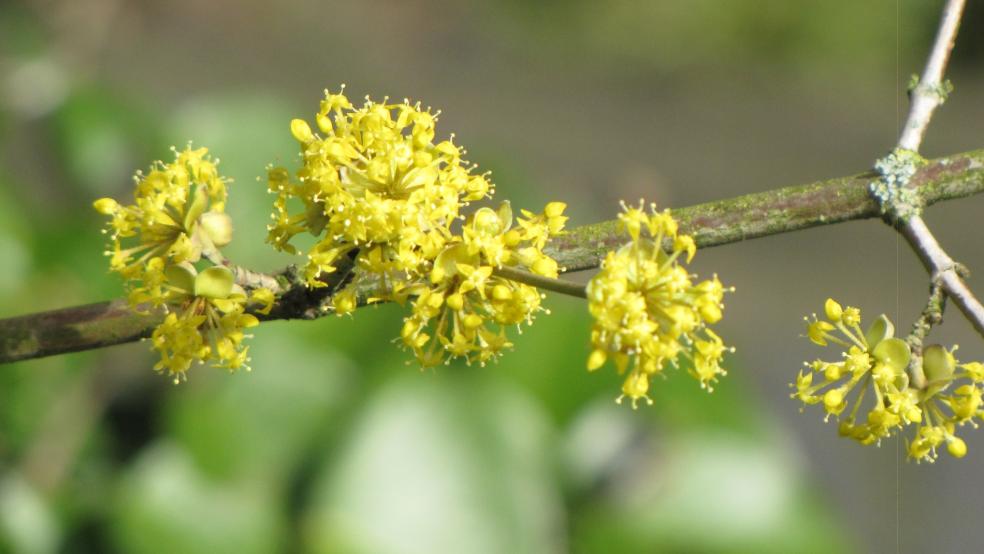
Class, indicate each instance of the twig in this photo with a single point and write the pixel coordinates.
(926, 97)
(928, 94)
(711, 224)
(944, 270)
(546, 283)
(931, 315)
(246, 278)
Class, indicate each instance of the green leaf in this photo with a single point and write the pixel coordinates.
(751, 493)
(214, 282)
(260, 425)
(101, 137)
(450, 463)
(166, 504)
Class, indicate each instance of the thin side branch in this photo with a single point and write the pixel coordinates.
(711, 224)
(926, 97)
(944, 270)
(928, 94)
(559, 286)
(931, 315)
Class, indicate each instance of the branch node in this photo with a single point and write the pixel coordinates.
(897, 201)
(937, 91)
(962, 271)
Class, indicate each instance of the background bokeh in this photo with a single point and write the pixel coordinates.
(332, 443)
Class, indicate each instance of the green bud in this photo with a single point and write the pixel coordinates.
(301, 131)
(214, 282)
(894, 353)
(938, 363)
(833, 310)
(880, 330)
(505, 214)
(106, 206)
(181, 276)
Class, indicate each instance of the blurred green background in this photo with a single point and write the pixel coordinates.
(332, 443)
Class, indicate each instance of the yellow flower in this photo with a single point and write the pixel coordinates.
(374, 187)
(205, 321)
(944, 412)
(875, 361)
(265, 298)
(373, 180)
(647, 309)
(177, 213)
(459, 306)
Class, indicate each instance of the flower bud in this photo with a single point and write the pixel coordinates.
(554, 209)
(833, 310)
(501, 292)
(545, 266)
(880, 330)
(455, 301)
(894, 353)
(938, 363)
(217, 226)
(301, 131)
(596, 359)
(833, 372)
(345, 301)
(106, 206)
(214, 282)
(833, 399)
(956, 447)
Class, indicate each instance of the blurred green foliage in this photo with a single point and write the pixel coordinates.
(815, 38)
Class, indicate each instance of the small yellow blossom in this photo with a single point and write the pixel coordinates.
(874, 364)
(177, 220)
(373, 180)
(265, 298)
(648, 311)
(874, 360)
(950, 399)
(462, 309)
(376, 190)
(205, 321)
(177, 213)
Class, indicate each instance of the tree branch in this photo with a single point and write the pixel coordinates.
(926, 97)
(711, 224)
(929, 93)
(943, 269)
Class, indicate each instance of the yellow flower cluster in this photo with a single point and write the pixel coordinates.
(454, 308)
(207, 322)
(877, 361)
(177, 220)
(374, 187)
(647, 309)
(373, 180)
(178, 212)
